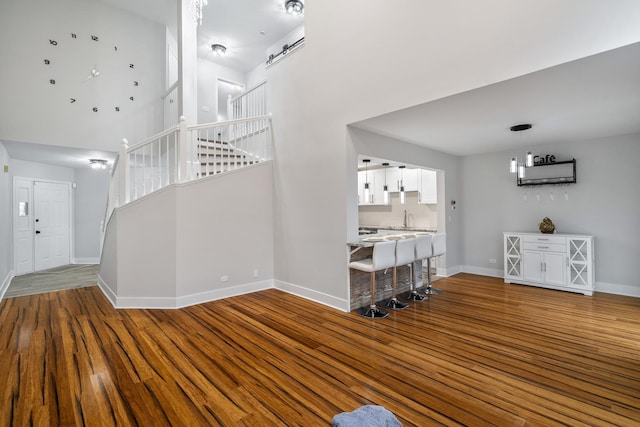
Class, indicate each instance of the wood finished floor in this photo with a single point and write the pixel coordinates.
(483, 353)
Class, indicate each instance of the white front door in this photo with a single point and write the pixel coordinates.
(51, 224)
(42, 228)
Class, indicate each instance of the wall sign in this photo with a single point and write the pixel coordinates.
(546, 160)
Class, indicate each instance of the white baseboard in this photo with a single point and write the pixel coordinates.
(5, 283)
(446, 272)
(182, 301)
(608, 288)
(482, 271)
(618, 289)
(86, 261)
(310, 294)
(106, 290)
(217, 294)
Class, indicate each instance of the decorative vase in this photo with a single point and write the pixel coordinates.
(546, 226)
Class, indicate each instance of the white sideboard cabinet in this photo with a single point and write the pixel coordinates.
(556, 261)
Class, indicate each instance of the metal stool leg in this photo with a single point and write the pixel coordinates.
(393, 303)
(429, 290)
(413, 294)
(372, 311)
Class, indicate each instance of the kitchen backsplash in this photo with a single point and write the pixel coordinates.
(418, 216)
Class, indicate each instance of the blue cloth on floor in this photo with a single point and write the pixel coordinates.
(366, 416)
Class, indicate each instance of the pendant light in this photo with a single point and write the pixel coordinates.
(401, 185)
(367, 194)
(516, 166)
(385, 189)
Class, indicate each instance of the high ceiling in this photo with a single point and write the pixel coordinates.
(247, 28)
(589, 98)
(239, 26)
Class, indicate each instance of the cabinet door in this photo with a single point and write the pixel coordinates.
(512, 257)
(378, 187)
(532, 266)
(428, 187)
(410, 179)
(554, 268)
(580, 263)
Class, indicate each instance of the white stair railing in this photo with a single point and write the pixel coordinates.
(224, 146)
(250, 103)
(182, 154)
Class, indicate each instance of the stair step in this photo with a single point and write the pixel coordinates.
(225, 156)
(227, 163)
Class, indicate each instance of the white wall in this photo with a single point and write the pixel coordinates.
(257, 75)
(25, 169)
(208, 75)
(90, 201)
(352, 69)
(604, 203)
(6, 221)
(33, 110)
(173, 247)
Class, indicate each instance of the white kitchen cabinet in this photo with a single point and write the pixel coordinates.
(376, 184)
(556, 261)
(428, 187)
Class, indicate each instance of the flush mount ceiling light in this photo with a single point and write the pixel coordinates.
(218, 49)
(519, 166)
(98, 163)
(294, 7)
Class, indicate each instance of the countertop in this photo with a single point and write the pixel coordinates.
(368, 240)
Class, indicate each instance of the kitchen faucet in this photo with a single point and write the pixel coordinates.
(404, 222)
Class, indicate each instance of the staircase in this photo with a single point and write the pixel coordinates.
(218, 156)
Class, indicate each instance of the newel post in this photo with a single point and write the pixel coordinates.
(123, 174)
(184, 172)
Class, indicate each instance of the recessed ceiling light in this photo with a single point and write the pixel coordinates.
(263, 32)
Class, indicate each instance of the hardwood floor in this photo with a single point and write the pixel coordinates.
(482, 353)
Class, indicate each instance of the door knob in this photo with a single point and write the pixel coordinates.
(37, 231)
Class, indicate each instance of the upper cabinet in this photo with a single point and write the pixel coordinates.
(420, 180)
(427, 186)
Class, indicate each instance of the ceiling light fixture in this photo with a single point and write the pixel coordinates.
(527, 162)
(401, 185)
(98, 163)
(294, 7)
(218, 49)
(367, 193)
(196, 8)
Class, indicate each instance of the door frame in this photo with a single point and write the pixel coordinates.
(14, 204)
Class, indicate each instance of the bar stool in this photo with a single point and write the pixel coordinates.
(383, 257)
(405, 251)
(439, 245)
(423, 251)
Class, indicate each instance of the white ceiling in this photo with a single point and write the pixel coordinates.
(593, 97)
(69, 157)
(237, 24)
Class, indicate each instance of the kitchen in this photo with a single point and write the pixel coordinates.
(393, 199)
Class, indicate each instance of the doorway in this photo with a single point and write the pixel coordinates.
(42, 224)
